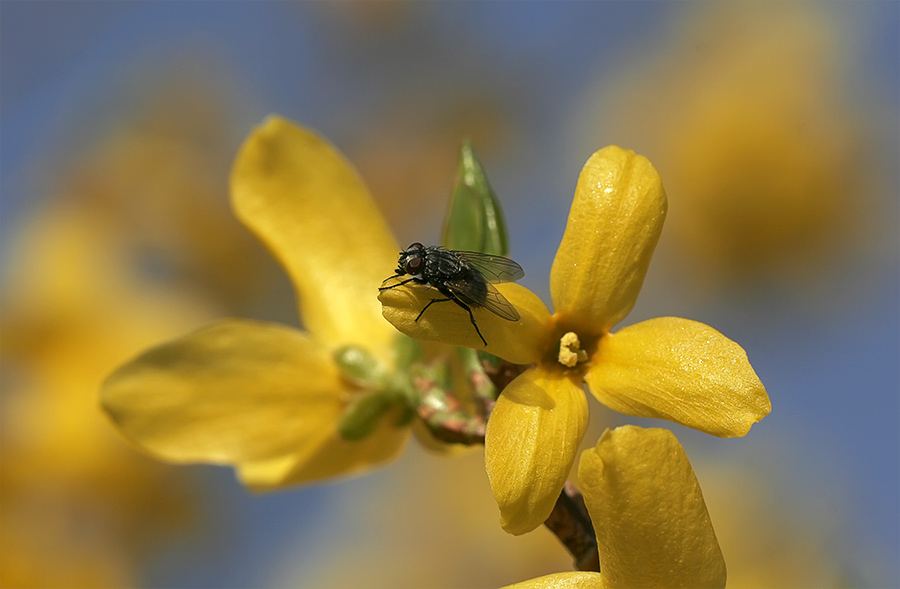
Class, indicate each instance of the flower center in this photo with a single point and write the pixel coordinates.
(570, 352)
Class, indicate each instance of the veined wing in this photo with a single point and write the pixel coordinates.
(494, 268)
(489, 298)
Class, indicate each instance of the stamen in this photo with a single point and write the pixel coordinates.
(570, 352)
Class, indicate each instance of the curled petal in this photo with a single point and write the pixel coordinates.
(615, 221)
(233, 391)
(331, 457)
(305, 201)
(519, 342)
(570, 580)
(682, 371)
(530, 444)
(653, 529)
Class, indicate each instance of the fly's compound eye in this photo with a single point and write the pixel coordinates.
(414, 264)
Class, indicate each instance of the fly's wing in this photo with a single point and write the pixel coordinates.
(494, 268)
(484, 295)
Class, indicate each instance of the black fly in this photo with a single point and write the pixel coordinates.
(462, 277)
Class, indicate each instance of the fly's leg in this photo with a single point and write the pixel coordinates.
(401, 283)
(461, 304)
(471, 318)
(432, 301)
(422, 312)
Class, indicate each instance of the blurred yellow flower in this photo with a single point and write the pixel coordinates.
(157, 177)
(667, 368)
(653, 529)
(263, 397)
(79, 508)
(765, 137)
(90, 277)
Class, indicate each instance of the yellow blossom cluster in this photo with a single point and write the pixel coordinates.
(268, 399)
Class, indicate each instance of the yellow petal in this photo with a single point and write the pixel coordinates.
(570, 580)
(520, 342)
(682, 371)
(308, 205)
(652, 526)
(329, 458)
(235, 390)
(530, 444)
(615, 221)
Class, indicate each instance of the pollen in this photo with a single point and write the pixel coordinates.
(570, 352)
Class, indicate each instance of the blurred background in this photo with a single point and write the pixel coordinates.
(774, 127)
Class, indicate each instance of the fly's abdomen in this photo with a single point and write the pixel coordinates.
(475, 290)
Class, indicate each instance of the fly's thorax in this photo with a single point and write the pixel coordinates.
(443, 265)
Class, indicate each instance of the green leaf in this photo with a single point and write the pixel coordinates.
(474, 221)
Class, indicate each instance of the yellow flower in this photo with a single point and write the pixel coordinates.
(668, 368)
(653, 529)
(263, 397)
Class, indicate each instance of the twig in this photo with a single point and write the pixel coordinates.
(570, 522)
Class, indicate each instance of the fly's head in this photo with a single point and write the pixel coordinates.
(412, 260)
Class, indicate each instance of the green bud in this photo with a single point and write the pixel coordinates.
(358, 366)
(474, 221)
(362, 416)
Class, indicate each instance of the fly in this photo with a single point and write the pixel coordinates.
(462, 277)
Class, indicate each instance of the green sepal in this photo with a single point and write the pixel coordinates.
(474, 221)
(362, 415)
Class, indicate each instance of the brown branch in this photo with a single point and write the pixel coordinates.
(502, 372)
(570, 522)
(451, 428)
